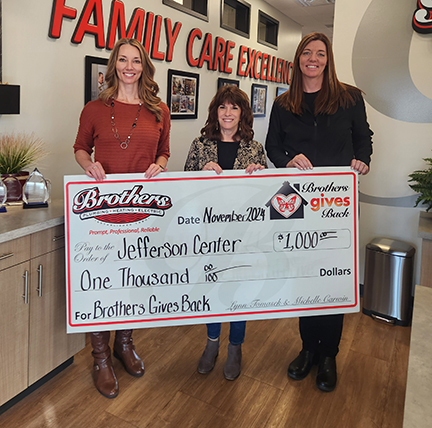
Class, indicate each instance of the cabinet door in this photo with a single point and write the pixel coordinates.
(49, 344)
(14, 319)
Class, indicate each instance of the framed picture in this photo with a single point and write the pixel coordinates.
(259, 100)
(182, 98)
(224, 82)
(95, 70)
(280, 90)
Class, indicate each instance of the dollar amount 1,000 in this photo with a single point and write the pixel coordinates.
(299, 240)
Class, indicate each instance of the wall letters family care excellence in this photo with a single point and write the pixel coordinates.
(216, 53)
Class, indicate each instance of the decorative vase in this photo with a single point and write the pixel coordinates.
(14, 184)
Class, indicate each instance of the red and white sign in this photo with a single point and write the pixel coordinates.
(190, 248)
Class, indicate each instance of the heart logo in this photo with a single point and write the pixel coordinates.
(286, 205)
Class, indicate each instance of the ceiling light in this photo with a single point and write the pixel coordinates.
(315, 2)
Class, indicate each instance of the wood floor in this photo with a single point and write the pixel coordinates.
(372, 371)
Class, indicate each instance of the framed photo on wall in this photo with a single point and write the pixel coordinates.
(224, 82)
(182, 98)
(280, 90)
(259, 100)
(95, 71)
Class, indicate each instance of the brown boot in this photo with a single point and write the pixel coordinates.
(103, 373)
(124, 350)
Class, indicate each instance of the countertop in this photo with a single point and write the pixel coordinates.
(18, 222)
(418, 409)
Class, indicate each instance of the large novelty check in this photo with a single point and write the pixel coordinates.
(190, 248)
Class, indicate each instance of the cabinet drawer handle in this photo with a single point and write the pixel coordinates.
(57, 238)
(39, 287)
(6, 256)
(25, 295)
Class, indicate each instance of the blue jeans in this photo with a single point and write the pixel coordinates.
(237, 331)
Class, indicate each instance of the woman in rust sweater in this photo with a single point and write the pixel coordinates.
(126, 130)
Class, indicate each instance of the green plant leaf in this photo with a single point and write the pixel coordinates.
(18, 151)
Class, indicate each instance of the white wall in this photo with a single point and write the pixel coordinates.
(51, 74)
(399, 144)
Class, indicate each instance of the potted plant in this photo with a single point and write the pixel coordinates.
(422, 184)
(17, 152)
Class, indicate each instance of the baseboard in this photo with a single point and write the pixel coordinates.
(36, 385)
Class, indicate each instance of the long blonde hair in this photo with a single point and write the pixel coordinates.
(147, 87)
(333, 93)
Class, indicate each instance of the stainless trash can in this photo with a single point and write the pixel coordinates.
(387, 292)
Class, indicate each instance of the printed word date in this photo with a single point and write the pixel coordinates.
(252, 214)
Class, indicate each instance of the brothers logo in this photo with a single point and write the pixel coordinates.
(128, 207)
(287, 203)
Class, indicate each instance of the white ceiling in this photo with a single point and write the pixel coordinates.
(317, 16)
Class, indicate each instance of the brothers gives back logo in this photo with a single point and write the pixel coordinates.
(287, 203)
(130, 206)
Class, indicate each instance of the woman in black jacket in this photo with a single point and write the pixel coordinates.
(319, 121)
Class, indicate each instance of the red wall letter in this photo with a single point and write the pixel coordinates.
(117, 21)
(136, 24)
(228, 56)
(264, 65)
(148, 31)
(59, 11)
(218, 60)
(284, 72)
(171, 37)
(155, 54)
(258, 55)
(195, 32)
(206, 52)
(278, 70)
(249, 68)
(91, 7)
(241, 60)
(290, 66)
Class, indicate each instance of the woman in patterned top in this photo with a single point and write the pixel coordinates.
(226, 142)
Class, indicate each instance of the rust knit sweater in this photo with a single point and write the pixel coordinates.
(150, 139)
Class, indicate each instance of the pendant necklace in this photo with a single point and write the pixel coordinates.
(123, 144)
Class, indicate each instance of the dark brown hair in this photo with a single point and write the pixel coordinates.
(333, 94)
(234, 95)
(147, 87)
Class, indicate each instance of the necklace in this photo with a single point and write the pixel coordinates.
(123, 144)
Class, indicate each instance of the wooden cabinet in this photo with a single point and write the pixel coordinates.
(14, 326)
(33, 315)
